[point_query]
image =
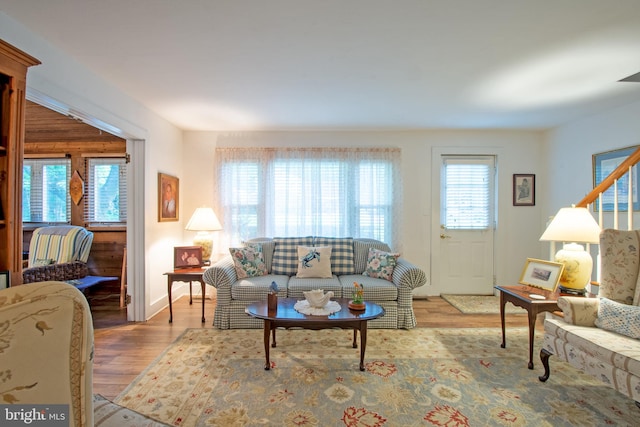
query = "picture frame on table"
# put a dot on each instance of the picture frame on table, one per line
(541, 274)
(603, 165)
(5, 279)
(187, 257)
(168, 197)
(524, 189)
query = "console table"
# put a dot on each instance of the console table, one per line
(185, 275)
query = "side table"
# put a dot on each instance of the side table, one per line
(520, 296)
(186, 275)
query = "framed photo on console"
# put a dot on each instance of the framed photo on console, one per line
(541, 274)
(187, 257)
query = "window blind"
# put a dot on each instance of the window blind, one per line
(467, 191)
(106, 191)
(45, 196)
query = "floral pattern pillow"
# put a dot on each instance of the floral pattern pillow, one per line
(248, 261)
(380, 264)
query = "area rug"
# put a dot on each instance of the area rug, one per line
(452, 377)
(480, 304)
(109, 414)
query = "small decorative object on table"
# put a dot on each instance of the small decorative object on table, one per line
(272, 297)
(357, 303)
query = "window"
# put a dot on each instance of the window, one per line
(106, 191)
(297, 192)
(468, 192)
(45, 196)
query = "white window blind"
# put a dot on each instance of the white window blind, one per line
(45, 195)
(106, 191)
(314, 191)
(467, 189)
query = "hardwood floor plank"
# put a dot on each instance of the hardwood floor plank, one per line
(123, 349)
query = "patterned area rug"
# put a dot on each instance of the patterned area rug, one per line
(480, 304)
(452, 377)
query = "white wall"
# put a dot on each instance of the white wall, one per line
(65, 82)
(519, 152)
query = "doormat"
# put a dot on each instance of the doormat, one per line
(480, 304)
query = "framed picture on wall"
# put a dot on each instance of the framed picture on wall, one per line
(524, 189)
(168, 197)
(603, 165)
(187, 256)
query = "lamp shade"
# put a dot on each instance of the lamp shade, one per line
(204, 219)
(572, 225)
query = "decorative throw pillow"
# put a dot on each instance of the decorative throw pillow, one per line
(248, 261)
(285, 255)
(314, 262)
(40, 262)
(621, 318)
(380, 264)
(341, 253)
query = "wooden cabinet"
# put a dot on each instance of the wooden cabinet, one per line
(13, 80)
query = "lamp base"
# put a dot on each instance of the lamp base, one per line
(577, 267)
(571, 291)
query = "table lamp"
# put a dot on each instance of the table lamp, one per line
(573, 226)
(204, 221)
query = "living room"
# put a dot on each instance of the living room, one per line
(515, 111)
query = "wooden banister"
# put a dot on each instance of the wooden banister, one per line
(622, 169)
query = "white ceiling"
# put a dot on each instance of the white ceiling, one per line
(353, 64)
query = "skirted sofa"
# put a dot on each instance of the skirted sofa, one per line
(299, 264)
(601, 336)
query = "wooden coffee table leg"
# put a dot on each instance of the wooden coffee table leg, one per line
(355, 337)
(363, 343)
(267, 335)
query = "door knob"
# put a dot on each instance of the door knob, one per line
(444, 236)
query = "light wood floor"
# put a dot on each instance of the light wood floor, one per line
(123, 350)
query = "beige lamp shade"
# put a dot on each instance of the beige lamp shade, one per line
(204, 220)
(573, 225)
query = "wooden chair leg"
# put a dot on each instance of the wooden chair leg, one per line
(544, 357)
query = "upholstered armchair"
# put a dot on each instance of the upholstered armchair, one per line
(601, 336)
(58, 253)
(46, 348)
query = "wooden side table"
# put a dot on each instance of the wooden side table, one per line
(520, 296)
(186, 275)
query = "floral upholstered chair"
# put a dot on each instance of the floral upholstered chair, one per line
(46, 349)
(601, 336)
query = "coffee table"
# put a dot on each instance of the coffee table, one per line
(285, 316)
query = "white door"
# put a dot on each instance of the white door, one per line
(463, 224)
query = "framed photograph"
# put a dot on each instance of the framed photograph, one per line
(187, 256)
(168, 197)
(5, 279)
(603, 165)
(542, 274)
(524, 189)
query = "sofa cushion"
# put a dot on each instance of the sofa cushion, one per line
(374, 289)
(298, 285)
(248, 261)
(361, 252)
(314, 261)
(285, 255)
(256, 288)
(621, 318)
(342, 261)
(380, 264)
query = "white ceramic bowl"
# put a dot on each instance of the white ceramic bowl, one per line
(317, 297)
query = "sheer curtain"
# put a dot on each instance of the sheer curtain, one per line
(333, 192)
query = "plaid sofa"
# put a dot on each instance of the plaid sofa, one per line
(348, 262)
(600, 336)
